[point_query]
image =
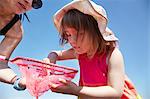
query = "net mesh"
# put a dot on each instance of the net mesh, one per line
(39, 74)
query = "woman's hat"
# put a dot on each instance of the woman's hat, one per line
(90, 8)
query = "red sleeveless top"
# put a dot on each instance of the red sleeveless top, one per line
(93, 72)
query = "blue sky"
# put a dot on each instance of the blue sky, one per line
(127, 18)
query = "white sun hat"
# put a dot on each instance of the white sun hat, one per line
(90, 8)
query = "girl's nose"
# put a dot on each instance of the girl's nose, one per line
(72, 41)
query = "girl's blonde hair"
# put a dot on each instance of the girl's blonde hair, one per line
(80, 21)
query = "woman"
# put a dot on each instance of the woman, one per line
(11, 29)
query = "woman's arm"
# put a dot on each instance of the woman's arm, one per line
(7, 46)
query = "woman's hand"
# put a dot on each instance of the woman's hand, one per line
(67, 87)
(22, 83)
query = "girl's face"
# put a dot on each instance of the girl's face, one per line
(78, 40)
(15, 6)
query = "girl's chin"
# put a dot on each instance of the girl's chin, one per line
(79, 52)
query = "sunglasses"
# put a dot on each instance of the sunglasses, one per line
(36, 4)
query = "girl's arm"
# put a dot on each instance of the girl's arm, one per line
(115, 82)
(102, 92)
(113, 90)
(60, 55)
(65, 54)
(116, 72)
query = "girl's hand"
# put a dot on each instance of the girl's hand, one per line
(67, 87)
(52, 58)
(46, 60)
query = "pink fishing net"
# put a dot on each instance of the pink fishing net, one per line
(39, 74)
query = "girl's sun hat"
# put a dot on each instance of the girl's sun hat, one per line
(90, 8)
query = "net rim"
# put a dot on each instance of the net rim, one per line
(41, 62)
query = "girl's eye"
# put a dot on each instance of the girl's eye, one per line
(66, 36)
(69, 35)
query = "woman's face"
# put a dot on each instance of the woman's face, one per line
(78, 40)
(15, 6)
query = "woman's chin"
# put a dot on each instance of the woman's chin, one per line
(20, 12)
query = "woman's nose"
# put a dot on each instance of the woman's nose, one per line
(27, 4)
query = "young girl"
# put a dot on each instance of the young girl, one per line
(83, 24)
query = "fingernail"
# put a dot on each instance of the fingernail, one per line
(60, 79)
(54, 85)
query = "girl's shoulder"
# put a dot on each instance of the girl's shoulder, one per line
(113, 53)
(115, 57)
